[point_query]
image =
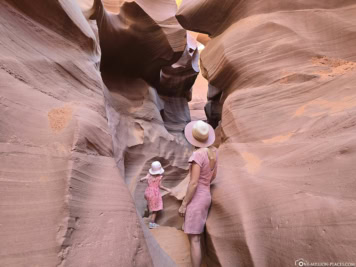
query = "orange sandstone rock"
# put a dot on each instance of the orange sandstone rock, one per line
(285, 70)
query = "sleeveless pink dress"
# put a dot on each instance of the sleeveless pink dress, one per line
(152, 193)
(197, 209)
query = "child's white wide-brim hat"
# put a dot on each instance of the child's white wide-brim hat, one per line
(199, 134)
(156, 168)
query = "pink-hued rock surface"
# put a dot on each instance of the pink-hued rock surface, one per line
(286, 71)
(64, 200)
(169, 239)
(149, 79)
(91, 92)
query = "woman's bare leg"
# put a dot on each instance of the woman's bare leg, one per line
(153, 216)
(195, 250)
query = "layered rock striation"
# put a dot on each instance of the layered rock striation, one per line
(286, 72)
(92, 92)
(81, 121)
(149, 64)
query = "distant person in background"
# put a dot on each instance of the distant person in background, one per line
(203, 167)
(152, 193)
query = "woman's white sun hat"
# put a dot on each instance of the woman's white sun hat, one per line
(156, 168)
(199, 134)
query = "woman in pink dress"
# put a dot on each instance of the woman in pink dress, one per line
(152, 193)
(203, 168)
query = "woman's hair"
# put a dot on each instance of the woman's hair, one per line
(211, 156)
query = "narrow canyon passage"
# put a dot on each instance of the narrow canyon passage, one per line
(91, 92)
(149, 81)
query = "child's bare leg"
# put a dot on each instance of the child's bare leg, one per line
(149, 213)
(153, 216)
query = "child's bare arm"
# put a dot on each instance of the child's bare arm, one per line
(144, 178)
(163, 187)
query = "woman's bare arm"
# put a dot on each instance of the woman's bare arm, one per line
(214, 174)
(192, 187)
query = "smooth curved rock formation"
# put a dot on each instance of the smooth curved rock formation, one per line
(287, 73)
(175, 243)
(178, 79)
(196, 106)
(213, 107)
(149, 69)
(86, 106)
(129, 43)
(64, 200)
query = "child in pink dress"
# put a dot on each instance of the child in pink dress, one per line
(152, 193)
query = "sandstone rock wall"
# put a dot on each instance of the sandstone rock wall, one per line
(149, 69)
(86, 106)
(286, 71)
(63, 199)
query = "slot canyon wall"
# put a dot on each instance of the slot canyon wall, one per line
(149, 65)
(286, 73)
(92, 92)
(81, 120)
